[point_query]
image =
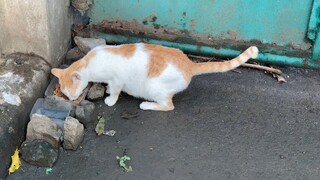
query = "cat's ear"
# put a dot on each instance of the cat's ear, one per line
(76, 78)
(57, 72)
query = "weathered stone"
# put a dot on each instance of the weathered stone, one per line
(39, 152)
(84, 111)
(86, 44)
(80, 114)
(73, 133)
(96, 91)
(42, 127)
(74, 54)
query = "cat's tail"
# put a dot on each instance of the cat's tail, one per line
(215, 67)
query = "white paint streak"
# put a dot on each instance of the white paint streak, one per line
(12, 99)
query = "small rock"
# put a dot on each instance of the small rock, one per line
(96, 91)
(80, 114)
(74, 54)
(86, 44)
(84, 111)
(72, 134)
(39, 152)
(42, 127)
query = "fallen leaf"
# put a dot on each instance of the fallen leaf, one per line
(15, 162)
(100, 126)
(281, 79)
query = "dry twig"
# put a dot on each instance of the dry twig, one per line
(256, 66)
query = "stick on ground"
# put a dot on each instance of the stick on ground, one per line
(256, 66)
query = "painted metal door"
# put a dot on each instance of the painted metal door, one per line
(286, 31)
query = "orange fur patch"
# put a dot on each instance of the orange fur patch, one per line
(161, 56)
(126, 50)
(66, 80)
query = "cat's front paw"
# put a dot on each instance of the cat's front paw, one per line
(146, 105)
(110, 101)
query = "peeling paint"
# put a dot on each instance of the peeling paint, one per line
(228, 40)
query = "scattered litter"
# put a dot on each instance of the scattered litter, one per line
(48, 171)
(109, 133)
(15, 162)
(237, 71)
(81, 5)
(122, 163)
(100, 126)
(129, 115)
(281, 78)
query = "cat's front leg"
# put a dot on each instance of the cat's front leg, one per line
(107, 89)
(114, 91)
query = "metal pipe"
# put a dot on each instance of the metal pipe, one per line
(210, 51)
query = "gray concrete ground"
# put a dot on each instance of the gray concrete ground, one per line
(225, 126)
(23, 78)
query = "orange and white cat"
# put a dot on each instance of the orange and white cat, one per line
(152, 72)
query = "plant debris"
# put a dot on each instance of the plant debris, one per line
(48, 171)
(15, 162)
(109, 133)
(100, 126)
(122, 163)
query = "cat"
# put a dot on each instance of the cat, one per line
(152, 72)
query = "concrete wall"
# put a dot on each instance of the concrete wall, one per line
(41, 27)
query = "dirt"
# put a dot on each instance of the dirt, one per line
(224, 126)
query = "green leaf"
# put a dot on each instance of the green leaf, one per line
(100, 126)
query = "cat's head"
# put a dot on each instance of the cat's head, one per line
(71, 82)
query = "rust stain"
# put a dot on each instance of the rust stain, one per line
(228, 39)
(232, 34)
(193, 24)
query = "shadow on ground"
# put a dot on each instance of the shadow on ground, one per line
(225, 126)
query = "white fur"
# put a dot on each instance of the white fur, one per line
(131, 76)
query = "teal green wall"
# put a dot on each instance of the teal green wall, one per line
(278, 27)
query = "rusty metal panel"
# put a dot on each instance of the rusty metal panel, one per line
(278, 27)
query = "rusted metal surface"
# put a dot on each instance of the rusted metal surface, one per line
(148, 28)
(222, 28)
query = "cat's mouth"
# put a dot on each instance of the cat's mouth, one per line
(72, 98)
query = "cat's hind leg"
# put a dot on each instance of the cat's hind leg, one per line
(114, 91)
(165, 104)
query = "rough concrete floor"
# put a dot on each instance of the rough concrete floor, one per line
(225, 126)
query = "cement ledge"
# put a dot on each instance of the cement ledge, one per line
(23, 79)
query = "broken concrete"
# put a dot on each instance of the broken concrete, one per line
(42, 127)
(44, 31)
(39, 153)
(73, 133)
(26, 77)
(86, 44)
